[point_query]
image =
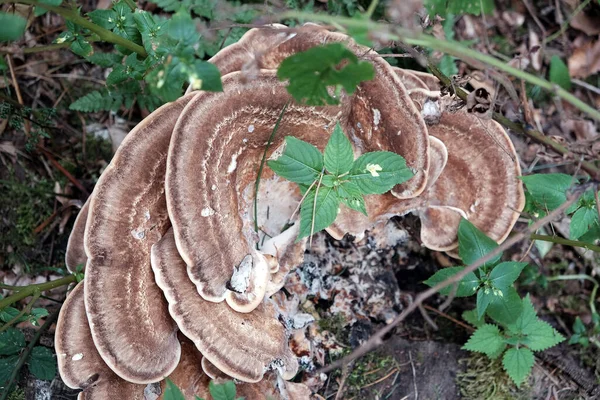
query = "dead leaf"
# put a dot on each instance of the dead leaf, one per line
(587, 24)
(585, 60)
(582, 129)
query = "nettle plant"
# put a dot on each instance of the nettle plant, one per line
(335, 177)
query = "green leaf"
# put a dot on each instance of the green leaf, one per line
(549, 190)
(36, 314)
(338, 152)
(105, 18)
(559, 73)
(42, 363)
(350, 195)
(526, 318)
(578, 326)
(323, 211)
(172, 392)
(448, 65)
(484, 298)
(105, 60)
(471, 317)
(12, 27)
(311, 72)
(505, 274)
(181, 27)
(474, 244)
(542, 336)
(39, 10)
(205, 76)
(11, 342)
(223, 391)
(466, 287)
(379, 171)
(7, 365)
(8, 313)
(518, 363)
(95, 101)
(505, 308)
(486, 339)
(81, 47)
(582, 221)
(300, 162)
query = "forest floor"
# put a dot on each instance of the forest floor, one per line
(51, 157)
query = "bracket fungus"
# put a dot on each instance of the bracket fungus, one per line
(178, 277)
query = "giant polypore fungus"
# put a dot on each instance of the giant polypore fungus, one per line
(169, 238)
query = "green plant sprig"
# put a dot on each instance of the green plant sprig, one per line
(22, 292)
(339, 178)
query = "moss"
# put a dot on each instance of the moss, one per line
(486, 379)
(17, 394)
(334, 324)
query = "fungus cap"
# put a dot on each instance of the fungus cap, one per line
(75, 254)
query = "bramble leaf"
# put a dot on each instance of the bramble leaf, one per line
(104, 18)
(338, 152)
(300, 162)
(518, 362)
(582, 221)
(7, 365)
(8, 313)
(474, 244)
(486, 339)
(379, 171)
(549, 190)
(471, 317)
(223, 391)
(172, 392)
(505, 274)
(11, 342)
(12, 27)
(323, 210)
(311, 72)
(105, 60)
(42, 363)
(466, 287)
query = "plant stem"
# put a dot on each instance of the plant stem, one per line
(30, 290)
(262, 165)
(104, 34)
(372, 8)
(25, 354)
(447, 46)
(565, 24)
(567, 242)
(25, 310)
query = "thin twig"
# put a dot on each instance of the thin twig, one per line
(25, 310)
(448, 317)
(565, 24)
(566, 242)
(414, 374)
(377, 338)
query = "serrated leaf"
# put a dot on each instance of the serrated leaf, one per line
(466, 287)
(471, 317)
(486, 339)
(506, 308)
(559, 73)
(505, 274)
(578, 326)
(300, 162)
(526, 317)
(223, 391)
(311, 72)
(582, 221)
(379, 171)
(104, 18)
(338, 154)
(518, 363)
(95, 101)
(323, 210)
(172, 392)
(542, 336)
(12, 27)
(474, 244)
(42, 363)
(11, 342)
(105, 60)
(181, 27)
(549, 190)
(81, 47)
(484, 298)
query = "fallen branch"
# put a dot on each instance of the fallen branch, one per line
(377, 339)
